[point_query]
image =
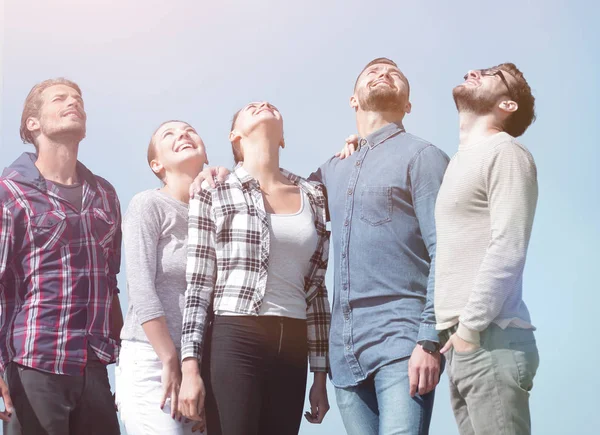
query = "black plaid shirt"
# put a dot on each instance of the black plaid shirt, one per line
(228, 261)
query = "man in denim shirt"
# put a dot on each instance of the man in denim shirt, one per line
(384, 351)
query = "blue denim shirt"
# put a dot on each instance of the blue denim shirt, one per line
(381, 203)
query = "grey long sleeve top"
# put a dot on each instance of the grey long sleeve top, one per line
(155, 242)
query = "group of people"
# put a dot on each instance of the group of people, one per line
(226, 273)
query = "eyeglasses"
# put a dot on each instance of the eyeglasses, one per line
(495, 72)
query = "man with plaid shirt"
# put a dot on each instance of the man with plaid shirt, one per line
(60, 240)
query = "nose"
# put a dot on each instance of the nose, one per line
(472, 74)
(263, 104)
(183, 134)
(385, 73)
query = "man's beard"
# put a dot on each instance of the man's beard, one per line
(467, 100)
(59, 133)
(381, 99)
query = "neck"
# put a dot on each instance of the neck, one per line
(474, 128)
(367, 122)
(262, 163)
(178, 184)
(57, 161)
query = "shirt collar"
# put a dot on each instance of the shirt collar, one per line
(383, 134)
(24, 170)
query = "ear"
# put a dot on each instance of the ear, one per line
(508, 106)
(234, 136)
(156, 166)
(354, 102)
(407, 107)
(32, 124)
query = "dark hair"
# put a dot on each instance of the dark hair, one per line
(384, 60)
(237, 153)
(33, 104)
(152, 145)
(519, 121)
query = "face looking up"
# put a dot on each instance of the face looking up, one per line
(484, 90)
(176, 147)
(381, 87)
(61, 114)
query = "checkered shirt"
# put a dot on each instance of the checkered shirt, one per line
(228, 261)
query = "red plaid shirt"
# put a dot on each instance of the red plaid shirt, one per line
(58, 268)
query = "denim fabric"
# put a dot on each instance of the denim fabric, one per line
(382, 404)
(489, 387)
(381, 203)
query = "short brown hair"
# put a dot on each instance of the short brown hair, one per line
(519, 121)
(152, 145)
(33, 104)
(384, 60)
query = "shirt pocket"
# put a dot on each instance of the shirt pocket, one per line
(48, 230)
(376, 205)
(103, 227)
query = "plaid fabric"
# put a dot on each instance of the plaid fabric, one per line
(58, 270)
(228, 261)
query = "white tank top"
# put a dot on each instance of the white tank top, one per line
(293, 242)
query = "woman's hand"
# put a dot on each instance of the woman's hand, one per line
(171, 383)
(192, 393)
(349, 148)
(319, 404)
(209, 174)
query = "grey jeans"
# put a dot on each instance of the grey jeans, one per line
(46, 403)
(489, 387)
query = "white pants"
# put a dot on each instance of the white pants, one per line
(139, 391)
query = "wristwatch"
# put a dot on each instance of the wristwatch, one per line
(430, 347)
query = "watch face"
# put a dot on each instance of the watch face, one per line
(429, 346)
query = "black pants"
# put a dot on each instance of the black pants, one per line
(255, 374)
(46, 403)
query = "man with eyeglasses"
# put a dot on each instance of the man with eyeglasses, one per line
(484, 215)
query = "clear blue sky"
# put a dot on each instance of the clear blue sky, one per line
(143, 62)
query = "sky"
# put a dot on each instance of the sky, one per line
(143, 62)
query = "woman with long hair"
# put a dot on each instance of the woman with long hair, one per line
(155, 228)
(258, 249)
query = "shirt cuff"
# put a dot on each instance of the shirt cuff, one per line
(319, 363)
(191, 350)
(468, 334)
(428, 332)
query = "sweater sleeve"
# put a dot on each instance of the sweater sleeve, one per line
(141, 233)
(511, 183)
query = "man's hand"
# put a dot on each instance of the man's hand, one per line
(319, 404)
(208, 174)
(8, 406)
(423, 371)
(350, 146)
(171, 383)
(459, 345)
(192, 392)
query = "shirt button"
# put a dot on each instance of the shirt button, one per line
(343, 255)
(349, 191)
(348, 347)
(346, 223)
(347, 316)
(357, 163)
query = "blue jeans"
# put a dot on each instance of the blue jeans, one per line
(382, 404)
